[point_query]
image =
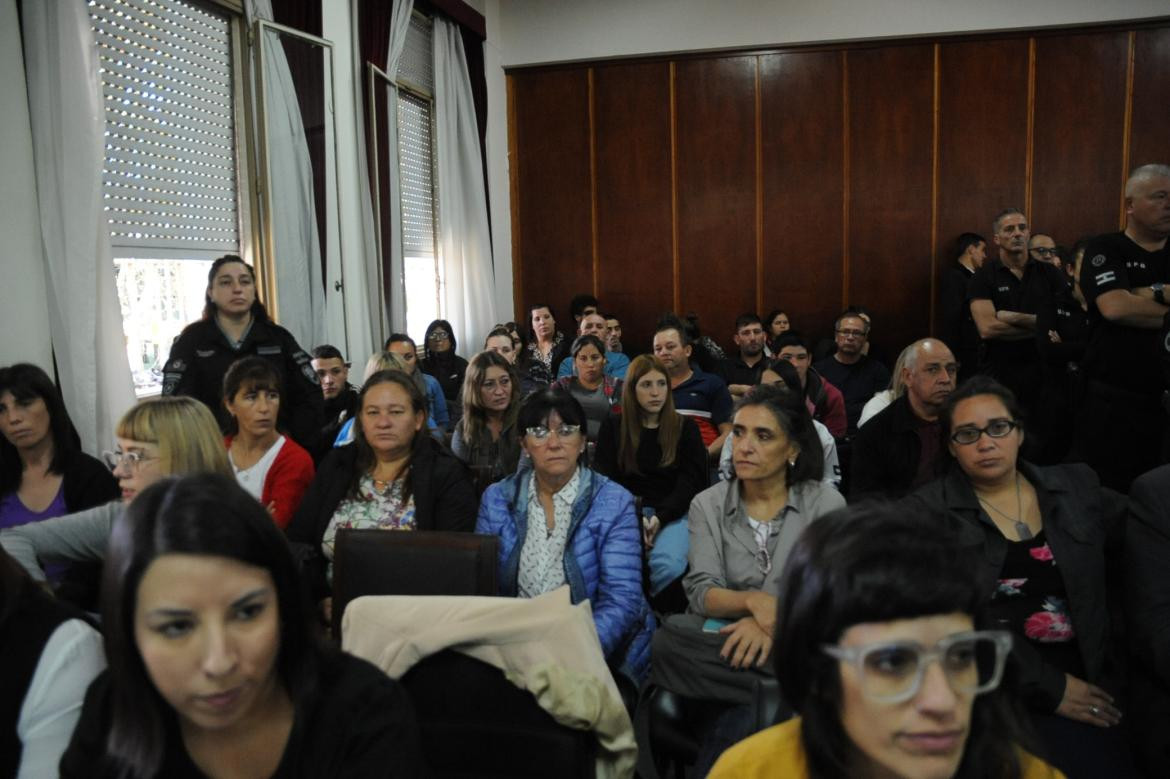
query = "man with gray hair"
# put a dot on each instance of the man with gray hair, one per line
(1122, 420)
(900, 448)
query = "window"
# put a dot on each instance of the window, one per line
(171, 174)
(416, 165)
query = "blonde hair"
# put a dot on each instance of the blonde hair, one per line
(389, 361)
(185, 432)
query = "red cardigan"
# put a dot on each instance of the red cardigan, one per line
(286, 481)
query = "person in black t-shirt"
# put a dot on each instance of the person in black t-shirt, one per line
(1005, 296)
(1122, 421)
(743, 372)
(956, 326)
(850, 369)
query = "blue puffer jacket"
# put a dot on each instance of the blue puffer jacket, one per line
(603, 560)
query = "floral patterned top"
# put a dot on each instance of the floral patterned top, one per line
(540, 367)
(372, 508)
(1030, 600)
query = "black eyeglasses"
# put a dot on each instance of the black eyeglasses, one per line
(996, 428)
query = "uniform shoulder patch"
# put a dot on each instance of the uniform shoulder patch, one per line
(1097, 261)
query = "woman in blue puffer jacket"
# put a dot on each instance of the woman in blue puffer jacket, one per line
(561, 523)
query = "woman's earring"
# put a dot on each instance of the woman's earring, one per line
(792, 462)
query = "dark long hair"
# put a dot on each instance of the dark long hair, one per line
(203, 514)
(28, 382)
(793, 418)
(259, 313)
(879, 562)
(254, 372)
(432, 327)
(366, 458)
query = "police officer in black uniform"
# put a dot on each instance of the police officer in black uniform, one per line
(1005, 295)
(1122, 422)
(234, 325)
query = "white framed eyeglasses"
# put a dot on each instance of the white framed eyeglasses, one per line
(541, 433)
(892, 671)
(131, 459)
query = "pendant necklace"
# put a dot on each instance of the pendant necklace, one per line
(1022, 529)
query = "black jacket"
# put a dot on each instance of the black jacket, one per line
(201, 355)
(886, 450)
(87, 482)
(444, 499)
(1084, 524)
(1147, 608)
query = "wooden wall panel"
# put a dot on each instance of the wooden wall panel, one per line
(1078, 134)
(1149, 139)
(801, 123)
(891, 104)
(634, 228)
(553, 189)
(983, 138)
(716, 190)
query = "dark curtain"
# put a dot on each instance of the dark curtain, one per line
(374, 31)
(306, 64)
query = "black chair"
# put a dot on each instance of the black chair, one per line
(475, 723)
(387, 562)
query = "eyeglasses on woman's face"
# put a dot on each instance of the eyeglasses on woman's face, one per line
(540, 434)
(996, 428)
(131, 459)
(892, 671)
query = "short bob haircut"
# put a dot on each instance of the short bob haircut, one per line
(973, 387)
(792, 415)
(879, 562)
(27, 382)
(205, 514)
(366, 458)
(258, 311)
(540, 404)
(251, 373)
(183, 429)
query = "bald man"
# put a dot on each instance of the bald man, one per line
(1121, 423)
(900, 448)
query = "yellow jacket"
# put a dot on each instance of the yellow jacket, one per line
(777, 753)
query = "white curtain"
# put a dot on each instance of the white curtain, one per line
(68, 123)
(399, 24)
(293, 221)
(465, 254)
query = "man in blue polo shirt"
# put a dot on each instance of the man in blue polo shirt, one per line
(616, 363)
(701, 396)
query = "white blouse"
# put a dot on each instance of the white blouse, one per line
(542, 558)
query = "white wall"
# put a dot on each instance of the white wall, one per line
(526, 32)
(534, 31)
(23, 294)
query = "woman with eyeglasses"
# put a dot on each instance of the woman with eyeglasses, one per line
(273, 468)
(43, 472)
(883, 649)
(1043, 534)
(158, 437)
(560, 523)
(439, 360)
(597, 393)
(486, 438)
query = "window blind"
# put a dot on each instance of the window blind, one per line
(170, 175)
(415, 140)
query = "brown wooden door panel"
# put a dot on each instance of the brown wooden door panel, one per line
(634, 226)
(983, 139)
(716, 190)
(553, 245)
(891, 103)
(1078, 134)
(1150, 123)
(802, 162)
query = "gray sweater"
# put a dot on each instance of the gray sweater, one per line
(71, 538)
